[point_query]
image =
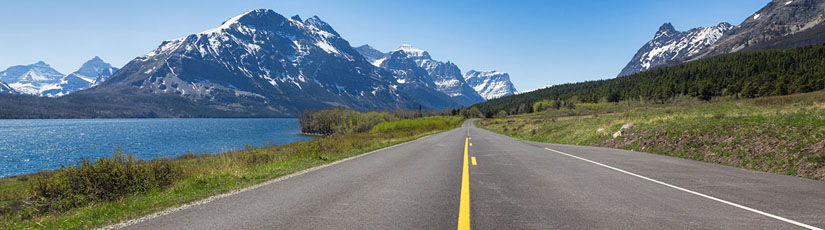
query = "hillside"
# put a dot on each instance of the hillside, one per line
(740, 75)
(781, 134)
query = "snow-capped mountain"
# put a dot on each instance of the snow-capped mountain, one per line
(40, 79)
(31, 79)
(670, 45)
(411, 65)
(91, 73)
(490, 84)
(262, 61)
(780, 24)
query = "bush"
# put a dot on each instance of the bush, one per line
(105, 179)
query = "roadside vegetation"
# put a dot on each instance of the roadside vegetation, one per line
(108, 190)
(779, 134)
(342, 121)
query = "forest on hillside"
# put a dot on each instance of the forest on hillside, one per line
(747, 74)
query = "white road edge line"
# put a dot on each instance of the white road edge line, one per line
(694, 193)
(217, 197)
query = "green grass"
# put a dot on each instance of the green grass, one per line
(119, 188)
(425, 123)
(784, 135)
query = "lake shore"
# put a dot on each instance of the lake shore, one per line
(43, 200)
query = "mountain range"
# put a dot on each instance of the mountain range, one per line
(445, 76)
(263, 63)
(256, 64)
(40, 79)
(780, 24)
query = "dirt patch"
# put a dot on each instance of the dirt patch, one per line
(745, 146)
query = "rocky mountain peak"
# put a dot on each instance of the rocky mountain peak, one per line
(666, 30)
(320, 24)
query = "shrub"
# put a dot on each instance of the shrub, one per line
(105, 179)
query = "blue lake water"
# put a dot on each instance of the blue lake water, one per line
(28, 146)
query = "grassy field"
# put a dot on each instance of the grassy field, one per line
(111, 190)
(784, 135)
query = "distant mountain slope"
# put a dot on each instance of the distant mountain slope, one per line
(371, 54)
(31, 79)
(91, 73)
(778, 19)
(812, 36)
(446, 76)
(260, 60)
(6, 89)
(670, 45)
(490, 84)
(413, 79)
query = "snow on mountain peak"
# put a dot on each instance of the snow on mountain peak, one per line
(316, 22)
(30, 79)
(412, 51)
(670, 45)
(228, 23)
(490, 84)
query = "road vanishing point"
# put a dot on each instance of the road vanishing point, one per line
(470, 178)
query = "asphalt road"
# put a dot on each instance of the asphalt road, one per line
(433, 183)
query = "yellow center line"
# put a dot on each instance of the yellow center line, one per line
(474, 160)
(464, 205)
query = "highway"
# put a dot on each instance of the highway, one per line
(470, 178)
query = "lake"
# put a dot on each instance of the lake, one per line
(28, 146)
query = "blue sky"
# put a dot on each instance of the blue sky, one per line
(537, 42)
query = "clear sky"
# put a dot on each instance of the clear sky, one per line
(537, 42)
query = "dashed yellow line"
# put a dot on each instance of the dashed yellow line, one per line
(464, 204)
(474, 161)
